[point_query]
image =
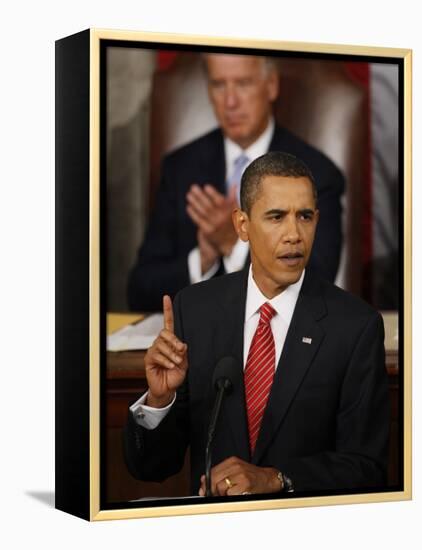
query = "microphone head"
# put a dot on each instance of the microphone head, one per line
(225, 373)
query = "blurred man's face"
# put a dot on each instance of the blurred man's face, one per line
(241, 90)
(280, 229)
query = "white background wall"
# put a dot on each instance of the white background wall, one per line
(27, 273)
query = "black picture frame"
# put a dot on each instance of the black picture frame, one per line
(81, 273)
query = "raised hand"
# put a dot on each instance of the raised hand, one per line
(166, 362)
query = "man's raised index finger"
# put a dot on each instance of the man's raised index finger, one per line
(168, 313)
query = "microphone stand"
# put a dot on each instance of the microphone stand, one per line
(224, 385)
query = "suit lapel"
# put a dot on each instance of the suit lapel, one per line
(276, 140)
(213, 164)
(229, 341)
(294, 362)
(280, 141)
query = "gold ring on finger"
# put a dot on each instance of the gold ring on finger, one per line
(228, 482)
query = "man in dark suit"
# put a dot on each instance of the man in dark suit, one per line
(190, 236)
(309, 410)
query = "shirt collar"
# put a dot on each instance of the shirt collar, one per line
(284, 303)
(232, 150)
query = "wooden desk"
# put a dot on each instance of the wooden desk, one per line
(125, 382)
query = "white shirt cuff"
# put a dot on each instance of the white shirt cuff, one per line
(194, 267)
(149, 417)
(236, 260)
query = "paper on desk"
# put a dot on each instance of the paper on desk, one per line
(138, 336)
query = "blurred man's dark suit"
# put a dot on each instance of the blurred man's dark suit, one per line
(161, 266)
(327, 420)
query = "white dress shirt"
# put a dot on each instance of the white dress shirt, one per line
(284, 305)
(236, 259)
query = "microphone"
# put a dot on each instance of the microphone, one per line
(225, 372)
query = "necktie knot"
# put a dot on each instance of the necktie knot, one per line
(241, 161)
(267, 313)
(239, 165)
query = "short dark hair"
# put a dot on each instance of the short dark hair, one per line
(275, 163)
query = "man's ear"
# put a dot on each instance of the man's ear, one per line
(241, 223)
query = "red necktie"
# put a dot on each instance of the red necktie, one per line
(259, 372)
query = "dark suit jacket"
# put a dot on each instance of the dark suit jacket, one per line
(161, 266)
(327, 420)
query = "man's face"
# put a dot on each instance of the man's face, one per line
(280, 229)
(241, 89)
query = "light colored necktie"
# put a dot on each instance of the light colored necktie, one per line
(259, 372)
(239, 166)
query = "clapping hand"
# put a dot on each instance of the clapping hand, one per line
(212, 213)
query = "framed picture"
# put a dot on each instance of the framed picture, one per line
(147, 126)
